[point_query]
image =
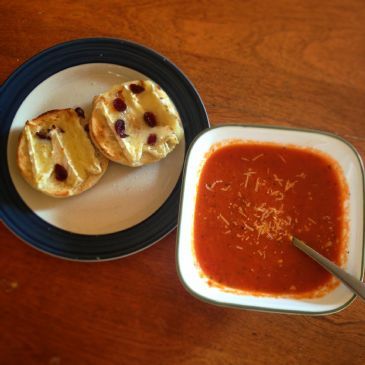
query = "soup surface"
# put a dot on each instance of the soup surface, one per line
(252, 198)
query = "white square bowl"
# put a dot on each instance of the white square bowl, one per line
(187, 266)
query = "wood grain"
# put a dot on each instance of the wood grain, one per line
(292, 63)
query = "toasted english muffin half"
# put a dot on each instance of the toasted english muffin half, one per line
(135, 123)
(56, 156)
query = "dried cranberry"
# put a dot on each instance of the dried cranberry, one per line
(60, 172)
(119, 126)
(150, 119)
(152, 138)
(119, 105)
(61, 130)
(42, 135)
(136, 89)
(80, 112)
(86, 127)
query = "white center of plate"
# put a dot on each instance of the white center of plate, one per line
(124, 196)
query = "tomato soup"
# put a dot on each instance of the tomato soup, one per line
(252, 198)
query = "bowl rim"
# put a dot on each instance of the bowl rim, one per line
(251, 307)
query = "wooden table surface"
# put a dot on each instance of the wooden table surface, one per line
(290, 63)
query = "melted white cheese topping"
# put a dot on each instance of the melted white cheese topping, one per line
(68, 146)
(153, 99)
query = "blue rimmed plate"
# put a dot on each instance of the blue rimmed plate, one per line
(129, 209)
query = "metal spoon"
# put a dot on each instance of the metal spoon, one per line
(357, 286)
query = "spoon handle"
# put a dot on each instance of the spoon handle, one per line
(354, 284)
